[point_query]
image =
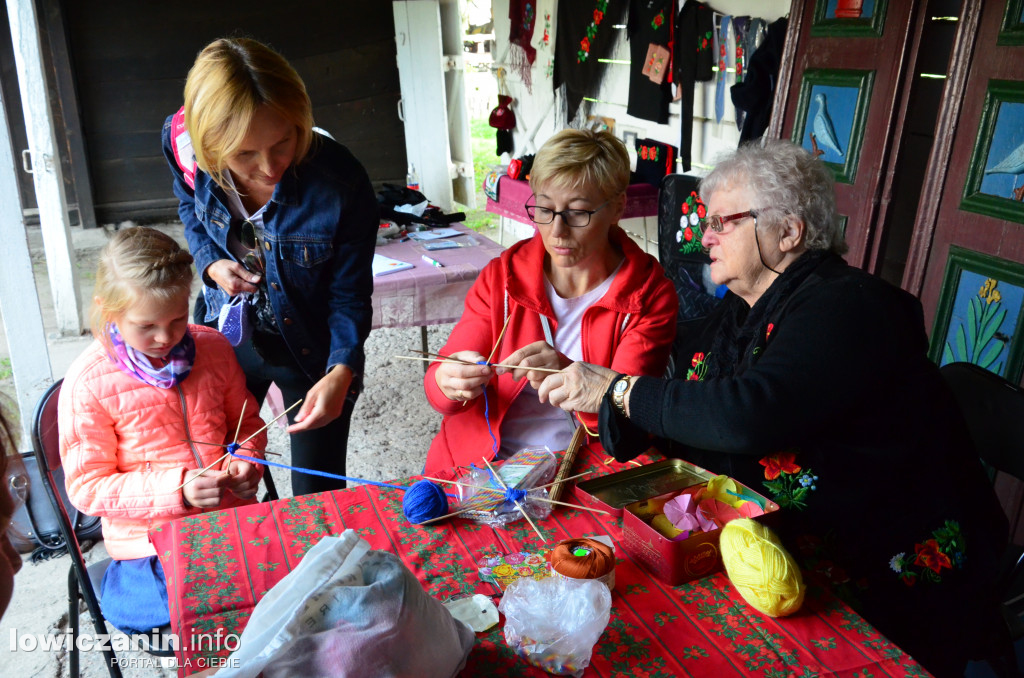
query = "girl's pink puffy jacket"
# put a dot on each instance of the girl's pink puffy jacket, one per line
(123, 442)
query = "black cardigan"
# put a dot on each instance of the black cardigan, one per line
(843, 381)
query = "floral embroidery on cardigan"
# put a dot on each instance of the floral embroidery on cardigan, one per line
(945, 550)
(698, 367)
(657, 21)
(691, 224)
(600, 7)
(788, 482)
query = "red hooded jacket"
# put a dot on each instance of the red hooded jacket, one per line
(630, 329)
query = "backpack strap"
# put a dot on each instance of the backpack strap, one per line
(181, 143)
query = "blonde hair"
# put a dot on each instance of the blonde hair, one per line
(230, 80)
(137, 262)
(576, 157)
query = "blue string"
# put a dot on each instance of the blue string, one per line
(511, 494)
(487, 418)
(314, 472)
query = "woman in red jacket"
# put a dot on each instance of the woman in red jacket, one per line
(578, 288)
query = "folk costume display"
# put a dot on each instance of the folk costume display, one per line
(650, 32)
(585, 36)
(691, 63)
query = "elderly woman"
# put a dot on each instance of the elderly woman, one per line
(579, 289)
(282, 222)
(811, 384)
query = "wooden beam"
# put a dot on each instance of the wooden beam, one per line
(19, 301)
(44, 164)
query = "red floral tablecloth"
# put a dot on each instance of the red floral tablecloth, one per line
(220, 564)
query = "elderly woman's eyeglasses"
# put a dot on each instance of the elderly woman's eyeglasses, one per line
(250, 239)
(572, 218)
(718, 224)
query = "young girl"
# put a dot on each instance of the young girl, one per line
(147, 406)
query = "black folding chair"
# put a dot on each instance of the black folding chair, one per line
(84, 581)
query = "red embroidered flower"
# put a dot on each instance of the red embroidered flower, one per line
(585, 44)
(698, 358)
(687, 234)
(929, 555)
(598, 16)
(659, 20)
(704, 43)
(779, 463)
(701, 212)
(721, 51)
(771, 326)
(693, 377)
(686, 208)
(643, 152)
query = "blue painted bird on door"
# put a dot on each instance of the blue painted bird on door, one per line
(1004, 166)
(829, 123)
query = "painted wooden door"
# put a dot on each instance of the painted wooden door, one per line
(967, 257)
(843, 99)
(437, 142)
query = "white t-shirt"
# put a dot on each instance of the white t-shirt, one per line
(529, 422)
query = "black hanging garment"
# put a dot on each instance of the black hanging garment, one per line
(692, 60)
(585, 34)
(653, 161)
(754, 96)
(650, 30)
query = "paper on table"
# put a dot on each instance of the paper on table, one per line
(434, 234)
(383, 265)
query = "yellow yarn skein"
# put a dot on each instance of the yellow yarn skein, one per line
(760, 568)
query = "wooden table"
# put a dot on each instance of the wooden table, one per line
(220, 564)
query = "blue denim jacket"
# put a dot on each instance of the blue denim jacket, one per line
(321, 228)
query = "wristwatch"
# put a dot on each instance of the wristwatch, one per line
(619, 389)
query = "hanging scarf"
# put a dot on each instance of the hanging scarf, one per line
(138, 365)
(744, 330)
(586, 35)
(723, 64)
(522, 15)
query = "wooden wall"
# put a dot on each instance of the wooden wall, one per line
(130, 60)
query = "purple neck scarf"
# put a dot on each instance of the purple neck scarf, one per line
(138, 365)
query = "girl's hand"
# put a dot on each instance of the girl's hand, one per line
(323, 402)
(232, 277)
(537, 354)
(207, 490)
(463, 382)
(244, 478)
(580, 387)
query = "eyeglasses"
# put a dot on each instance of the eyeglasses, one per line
(572, 218)
(253, 260)
(717, 223)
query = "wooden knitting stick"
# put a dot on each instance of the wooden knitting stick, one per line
(567, 461)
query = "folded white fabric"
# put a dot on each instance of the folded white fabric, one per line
(349, 611)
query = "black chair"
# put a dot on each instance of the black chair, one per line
(84, 581)
(994, 411)
(686, 270)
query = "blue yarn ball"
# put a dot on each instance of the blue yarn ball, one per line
(424, 501)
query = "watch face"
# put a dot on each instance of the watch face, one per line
(621, 385)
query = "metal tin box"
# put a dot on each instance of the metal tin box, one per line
(677, 562)
(615, 490)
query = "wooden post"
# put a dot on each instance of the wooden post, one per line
(19, 302)
(45, 166)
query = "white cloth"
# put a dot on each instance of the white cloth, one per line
(349, 611)
(529, 422)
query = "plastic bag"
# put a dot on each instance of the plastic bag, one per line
(347, 610)
(529, 467)
(554, 623)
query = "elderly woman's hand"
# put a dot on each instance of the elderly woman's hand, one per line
(463, 382)
(537, 354)
(579, 387)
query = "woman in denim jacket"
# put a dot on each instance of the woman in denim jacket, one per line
(282, 223)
